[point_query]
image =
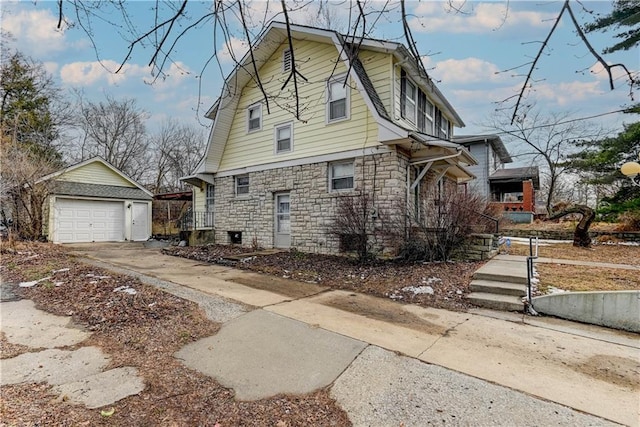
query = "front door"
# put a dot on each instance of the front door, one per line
(140, 221)
(282, 232)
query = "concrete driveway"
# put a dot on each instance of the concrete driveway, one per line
(501, 368)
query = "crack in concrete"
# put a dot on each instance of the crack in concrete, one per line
(444, 334)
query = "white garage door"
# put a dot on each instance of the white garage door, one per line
(88, 221)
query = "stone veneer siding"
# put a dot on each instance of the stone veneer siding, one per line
(313, 207)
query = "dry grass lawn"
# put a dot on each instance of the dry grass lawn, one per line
(610, 253)
(577, 278)
(586, 278)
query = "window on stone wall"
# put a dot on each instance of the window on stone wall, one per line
(242, 185)
(341, 176)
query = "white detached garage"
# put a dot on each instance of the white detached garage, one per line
(92, 201)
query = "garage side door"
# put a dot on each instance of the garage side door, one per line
(88, 221)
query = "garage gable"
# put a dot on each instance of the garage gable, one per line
(94, 172)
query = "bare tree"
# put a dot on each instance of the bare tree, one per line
(115, 130)
(546, 139)
(171, 20)
(22, 196)
(176, 149)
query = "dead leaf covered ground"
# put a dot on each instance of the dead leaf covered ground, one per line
(437, 284)
(142, 329)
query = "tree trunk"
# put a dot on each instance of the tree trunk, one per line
(581, 234)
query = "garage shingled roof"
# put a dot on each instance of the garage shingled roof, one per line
(68, 188)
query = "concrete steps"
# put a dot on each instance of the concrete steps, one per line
(496, 301)
(499, 285)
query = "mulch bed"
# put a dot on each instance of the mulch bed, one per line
(437, 284)
(143, 330)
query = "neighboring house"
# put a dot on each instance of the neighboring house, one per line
(92, 201)
(371, 122)
(512, 189)
(491, 154)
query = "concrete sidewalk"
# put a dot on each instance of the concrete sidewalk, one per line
(593, 370)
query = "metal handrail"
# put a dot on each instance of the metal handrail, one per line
(192, 220)
(529, 306)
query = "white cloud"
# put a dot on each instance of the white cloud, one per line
(88, 73)
(464, 71)
(433, 16)
(566, 93)
(34, 31)
(233, 51)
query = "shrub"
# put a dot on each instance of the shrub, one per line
(444, 226)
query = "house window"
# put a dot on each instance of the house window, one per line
(341, 176)
(254, 118)
(410, 101)
(209, 205)
(284, 138)
(286, 61)
(242, 185)
(337, 100)
(444, 127)
(425, 114)
(408, 98)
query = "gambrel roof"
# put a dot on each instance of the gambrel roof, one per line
(224, 109)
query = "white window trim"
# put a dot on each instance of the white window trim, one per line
(275, 138)
(413, 120)
(249, 108)
(285, 62)
(428, 116)
(337, 79)
(209, 198)
(235, 185)
(444, 130)
(330, 174)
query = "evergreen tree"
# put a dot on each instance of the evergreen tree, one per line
(27, 112)
(625, 13)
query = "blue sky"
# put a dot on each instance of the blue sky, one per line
(464, 51)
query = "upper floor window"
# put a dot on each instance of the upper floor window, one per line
(425, 114)
(408, 98)
(284, 138)
(337, 99)
(242, 185)
(341, 176)
(254, 118)
(444, 127)
(286, 61)
(410, 101)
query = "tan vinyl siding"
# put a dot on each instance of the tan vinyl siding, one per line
(378, 67)
(312, 135)
(199, 198)
(95, 173)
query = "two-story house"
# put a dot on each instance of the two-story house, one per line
(512, 190)
(370, 121)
